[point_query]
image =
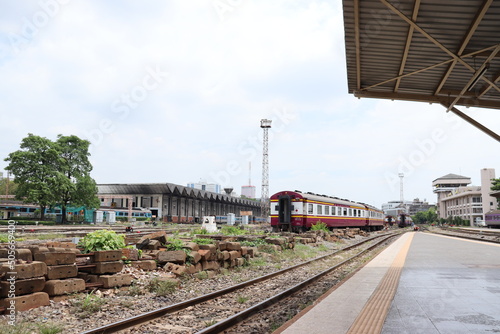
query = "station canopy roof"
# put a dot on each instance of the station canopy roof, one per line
(445, 52)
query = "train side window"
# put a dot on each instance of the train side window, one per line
(319, 210)
(309, 208)
(327, 210)
(350, 212)
(276, 207)
(345, 212)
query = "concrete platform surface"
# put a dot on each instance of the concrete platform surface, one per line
(447, 285)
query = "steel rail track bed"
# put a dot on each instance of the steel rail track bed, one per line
(149, 316)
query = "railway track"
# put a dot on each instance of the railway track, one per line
(484, 236)
(77, 231)
(479, 232)
(220, 310)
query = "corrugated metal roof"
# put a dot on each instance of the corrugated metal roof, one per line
(168, 188)
(428, 51)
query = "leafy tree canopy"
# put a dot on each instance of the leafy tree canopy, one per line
(422, 217)
(7, 187)
(496, 186)
(52, 173)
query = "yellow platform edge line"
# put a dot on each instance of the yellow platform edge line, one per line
(372, 317)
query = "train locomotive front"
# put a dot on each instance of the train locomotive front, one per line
(297, 211)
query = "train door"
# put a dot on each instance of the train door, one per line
(285, 208)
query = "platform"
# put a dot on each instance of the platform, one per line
(422, 283)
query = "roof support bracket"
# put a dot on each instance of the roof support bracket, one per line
(472, 121)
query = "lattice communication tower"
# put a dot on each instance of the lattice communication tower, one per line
(265, 124)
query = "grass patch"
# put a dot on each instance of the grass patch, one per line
(242, 299)
(88, 304)
(232, 230)
(4, 237)
(198, 231)
(210, 323)
(202, 275)
(258, 262)
(48, 236)
(203, 241)
(302, 251)
(135, 290)
(50, 328)
(19, 328)
(322, 248)
(162, 287)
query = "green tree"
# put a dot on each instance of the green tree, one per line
(50, 173)
(422, 217)
(496, 186)
(419, 218)
(431, 215)
(7, 187)
(74, 184)
(34, 171)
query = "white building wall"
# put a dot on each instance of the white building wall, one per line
(248, 191)
(489, 202)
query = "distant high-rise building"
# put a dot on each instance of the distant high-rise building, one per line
(203, 185)
(248, 191)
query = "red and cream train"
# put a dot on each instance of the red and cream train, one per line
(297, 211)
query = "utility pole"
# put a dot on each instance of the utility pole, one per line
(7, 184)
(265, 124)
(401, 195)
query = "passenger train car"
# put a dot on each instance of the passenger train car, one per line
(297, 211)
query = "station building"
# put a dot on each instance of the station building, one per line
(174, 203)
(458, 199)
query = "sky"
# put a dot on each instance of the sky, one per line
(174, 91)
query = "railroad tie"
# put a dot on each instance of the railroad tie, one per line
(371, 319)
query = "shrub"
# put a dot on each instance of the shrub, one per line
(174, 244)
(319, 226)
(102, 240)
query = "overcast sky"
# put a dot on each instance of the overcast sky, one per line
(174, 91)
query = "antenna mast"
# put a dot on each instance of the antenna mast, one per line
(265, 124)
